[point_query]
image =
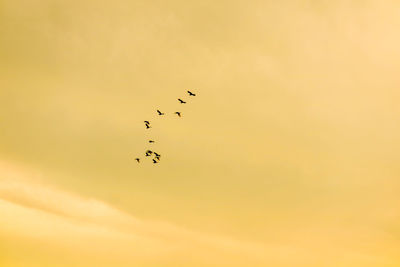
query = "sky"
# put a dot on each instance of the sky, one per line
(287, 156)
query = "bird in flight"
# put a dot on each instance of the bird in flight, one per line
(156, 158)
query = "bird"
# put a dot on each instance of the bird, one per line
(182, 102)
(157, 155)
(138, 160)
(154, 161)
(151, 141)
(178, 113)
(160, 113)
(148, 126)
(148, 153)
(146, 122)
(191, 94)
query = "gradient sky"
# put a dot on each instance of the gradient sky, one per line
(288, 156)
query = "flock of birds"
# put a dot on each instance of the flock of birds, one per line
(150, 153)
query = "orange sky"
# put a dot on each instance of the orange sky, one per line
(287, 156)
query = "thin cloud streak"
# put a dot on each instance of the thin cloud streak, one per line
(42, 212)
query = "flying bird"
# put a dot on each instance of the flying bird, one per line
(157, 156)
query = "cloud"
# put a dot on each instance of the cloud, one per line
(35, 211)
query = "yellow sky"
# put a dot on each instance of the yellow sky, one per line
(287, 156)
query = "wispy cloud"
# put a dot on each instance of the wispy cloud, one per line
(41, 212)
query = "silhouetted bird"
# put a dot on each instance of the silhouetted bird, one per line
(160, 113)
(138, 160)
(148, 153)
(191, 94)
(151, 141)
(146, 122)
(148, 126)
(154, 161)
(157, 155)
(178, 113)
(182, 102)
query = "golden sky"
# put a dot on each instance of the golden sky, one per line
(288, 155)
